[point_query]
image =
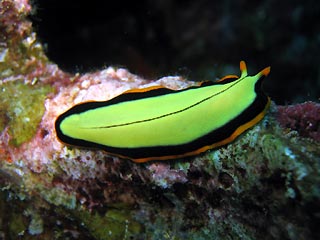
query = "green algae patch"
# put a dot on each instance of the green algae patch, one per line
(59, 197)
(115, 224)
(21, 109)
(17, 225)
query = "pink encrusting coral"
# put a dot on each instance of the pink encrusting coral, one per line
(304, 118)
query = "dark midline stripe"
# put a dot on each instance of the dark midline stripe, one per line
(131, 96)
(168, 114)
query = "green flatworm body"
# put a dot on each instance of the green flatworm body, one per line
(158, 123)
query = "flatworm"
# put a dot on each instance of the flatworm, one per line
(157, 123)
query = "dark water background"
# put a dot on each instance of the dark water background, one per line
(200, 39)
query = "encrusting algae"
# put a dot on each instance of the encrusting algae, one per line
(21, 109)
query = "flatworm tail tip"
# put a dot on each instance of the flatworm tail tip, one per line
(243, 69)
(265, 72)
(243, 66)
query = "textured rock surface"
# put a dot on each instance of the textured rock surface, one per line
(265, 185)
